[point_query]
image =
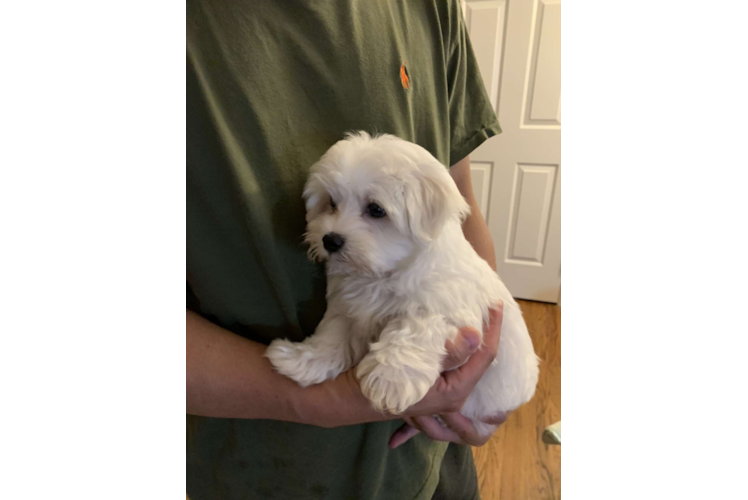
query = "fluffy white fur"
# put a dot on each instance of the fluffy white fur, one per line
(403, 284)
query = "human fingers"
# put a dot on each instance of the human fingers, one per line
(403, 434)
(431, 427)
(464, 428)
(473, 369)
(458, 352)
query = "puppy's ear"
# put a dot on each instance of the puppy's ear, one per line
(316, 196)
(432, 199)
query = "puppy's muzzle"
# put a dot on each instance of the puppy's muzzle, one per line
(333, 242)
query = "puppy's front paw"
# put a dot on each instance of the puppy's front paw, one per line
(389, 388)
(303, 363)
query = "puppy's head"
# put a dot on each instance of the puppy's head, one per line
(372, 202)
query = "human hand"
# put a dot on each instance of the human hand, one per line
(452, 389)
(457, 428)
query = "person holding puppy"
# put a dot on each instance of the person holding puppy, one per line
(270, 87)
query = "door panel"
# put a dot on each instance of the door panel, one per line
(517, 175)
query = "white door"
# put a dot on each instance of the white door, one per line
(517, 175)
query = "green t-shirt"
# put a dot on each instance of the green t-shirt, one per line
(271, 85)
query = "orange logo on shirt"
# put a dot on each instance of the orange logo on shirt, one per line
(404, 78)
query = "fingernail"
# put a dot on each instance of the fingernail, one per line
(473, 342)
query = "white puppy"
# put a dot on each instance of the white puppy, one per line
(402, 279)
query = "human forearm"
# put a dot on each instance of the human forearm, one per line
(228, 376)
(476, 232)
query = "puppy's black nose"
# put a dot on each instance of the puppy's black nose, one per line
(332, 242)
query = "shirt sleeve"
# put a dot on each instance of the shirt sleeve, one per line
(472, 119)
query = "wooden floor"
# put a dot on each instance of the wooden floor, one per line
(515, 463)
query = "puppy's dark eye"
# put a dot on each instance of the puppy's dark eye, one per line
(333, 205)
(375, 211)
